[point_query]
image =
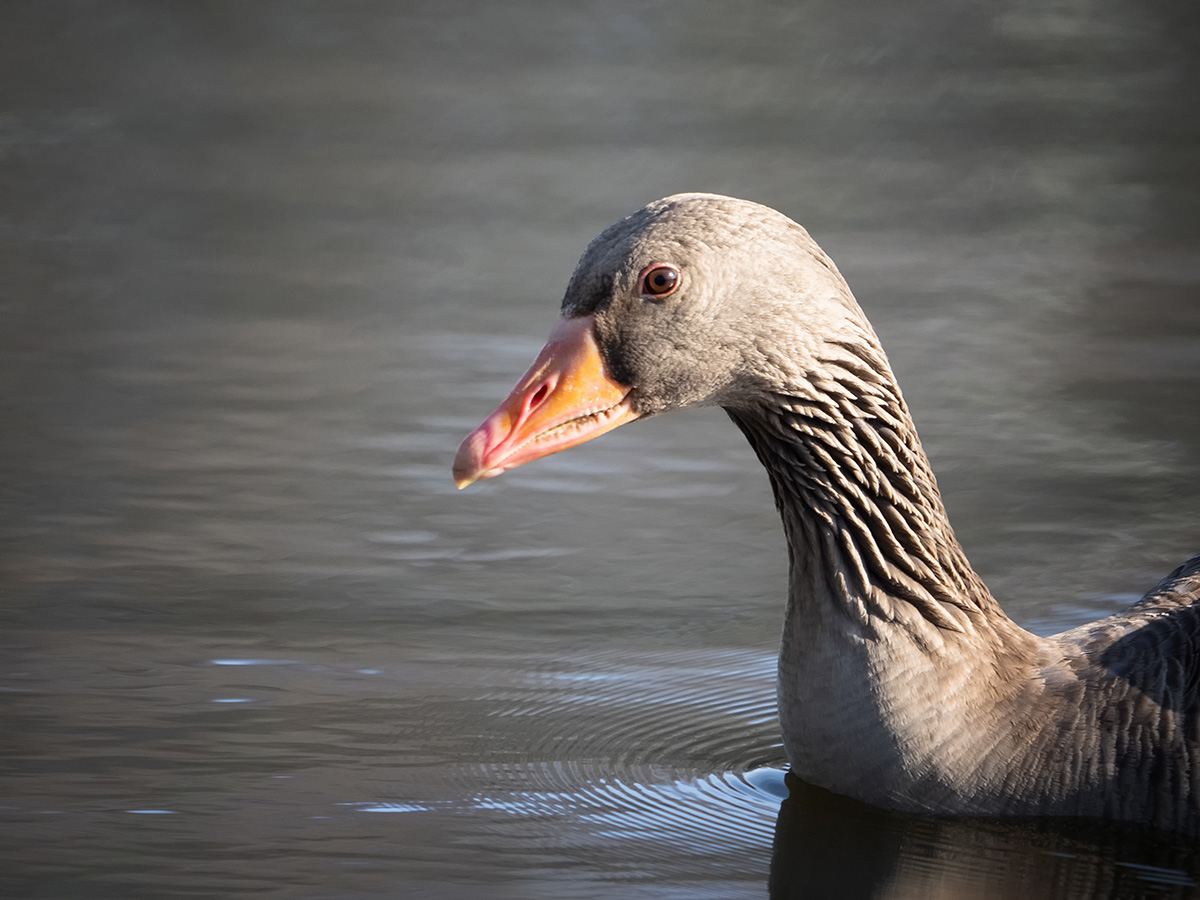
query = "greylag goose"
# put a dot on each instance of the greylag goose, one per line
(902, 683)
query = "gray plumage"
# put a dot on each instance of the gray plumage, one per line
(901, 681)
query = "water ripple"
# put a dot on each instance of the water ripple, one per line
(677, 749)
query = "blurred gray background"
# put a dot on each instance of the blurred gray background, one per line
(262, 265)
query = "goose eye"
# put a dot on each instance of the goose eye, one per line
(658, 281)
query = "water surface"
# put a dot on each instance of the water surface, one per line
(263, 265)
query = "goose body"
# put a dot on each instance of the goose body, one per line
(902, 683)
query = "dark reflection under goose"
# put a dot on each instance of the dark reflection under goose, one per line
(829, 846)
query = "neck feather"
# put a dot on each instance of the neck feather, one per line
(864, 520)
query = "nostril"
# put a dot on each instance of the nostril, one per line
(538, 396)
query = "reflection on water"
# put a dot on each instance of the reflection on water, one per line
(827, 846)
(263, 265)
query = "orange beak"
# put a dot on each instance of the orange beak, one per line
(564, 399)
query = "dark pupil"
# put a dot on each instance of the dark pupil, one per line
(662, 281)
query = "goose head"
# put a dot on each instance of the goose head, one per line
(694, 300)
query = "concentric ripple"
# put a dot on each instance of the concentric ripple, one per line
(675, 750)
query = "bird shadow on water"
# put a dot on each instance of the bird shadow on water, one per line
(828, 846)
